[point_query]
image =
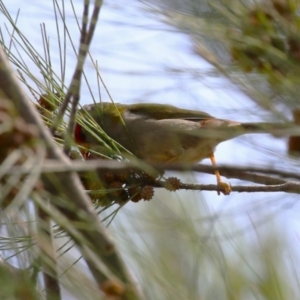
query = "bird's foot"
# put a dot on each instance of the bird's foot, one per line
(224, 188)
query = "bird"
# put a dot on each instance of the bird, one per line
(160, 133)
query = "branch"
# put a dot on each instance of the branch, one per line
(73, 92)
(287, 187)
(242, 173)
(51, 165)
(272, 184)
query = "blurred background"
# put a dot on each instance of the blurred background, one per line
(183, 244)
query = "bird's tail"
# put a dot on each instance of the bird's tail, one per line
(225, 129)
(277, 129)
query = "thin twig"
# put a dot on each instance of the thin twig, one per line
(287, 187)
(271, 184)
(243, 173)
(74, 89)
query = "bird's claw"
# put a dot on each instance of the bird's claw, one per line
(224, 188)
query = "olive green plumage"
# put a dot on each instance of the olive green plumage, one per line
(160, 133)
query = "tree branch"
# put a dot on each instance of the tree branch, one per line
(229, 171)
(272, 184)
(287, 187)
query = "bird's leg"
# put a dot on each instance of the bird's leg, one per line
(222, 186)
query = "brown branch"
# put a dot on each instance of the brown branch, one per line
(287, 187)
(68, 188)
(272, 184)
(235, 171)
(242, 173)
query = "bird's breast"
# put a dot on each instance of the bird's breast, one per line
(169, 140)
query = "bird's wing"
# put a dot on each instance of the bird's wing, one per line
(163, 111)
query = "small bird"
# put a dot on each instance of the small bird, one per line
(159, 133)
